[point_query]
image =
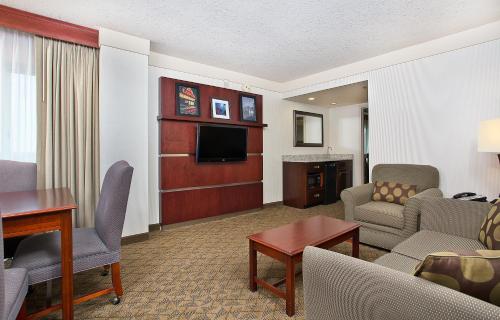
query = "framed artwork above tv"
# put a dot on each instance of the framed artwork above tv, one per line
(248, 108)
(220, 109)
(187, 100)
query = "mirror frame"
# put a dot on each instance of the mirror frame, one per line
(302, 144)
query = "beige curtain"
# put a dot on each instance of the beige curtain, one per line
(68, 122)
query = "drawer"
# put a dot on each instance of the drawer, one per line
(315, 167)
(315, 197)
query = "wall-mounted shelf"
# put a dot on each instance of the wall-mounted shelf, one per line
(198, 120)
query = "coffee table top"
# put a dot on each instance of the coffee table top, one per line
(292, 238)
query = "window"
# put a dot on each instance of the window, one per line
(17, 96)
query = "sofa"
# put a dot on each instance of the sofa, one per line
(385, 224)
(337, 286)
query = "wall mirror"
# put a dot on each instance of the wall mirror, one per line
(308, 129)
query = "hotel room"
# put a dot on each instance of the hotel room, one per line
(250, 159)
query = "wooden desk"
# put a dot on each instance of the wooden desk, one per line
(287, 243)
(29, 212)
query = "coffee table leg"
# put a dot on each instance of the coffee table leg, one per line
(355, 244)
(252, 266)
(290, 287)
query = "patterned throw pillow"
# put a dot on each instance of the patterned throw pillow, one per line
(475, 273)
(393, 192)
(489, 234)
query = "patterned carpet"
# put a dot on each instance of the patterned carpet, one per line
(198, 271)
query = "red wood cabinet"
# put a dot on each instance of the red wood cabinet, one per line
(189, 190)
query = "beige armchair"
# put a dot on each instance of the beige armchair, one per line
(385, 224)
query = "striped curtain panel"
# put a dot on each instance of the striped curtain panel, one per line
(68, 122)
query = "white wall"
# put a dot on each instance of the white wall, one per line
(345, 135)
(427, 111)
(277, 113)
(123, 126)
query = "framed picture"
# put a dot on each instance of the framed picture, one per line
(248, 110)
(220, 109)
(187, 100)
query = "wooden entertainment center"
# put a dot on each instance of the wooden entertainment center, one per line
(191, 190)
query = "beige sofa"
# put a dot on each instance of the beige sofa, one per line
(386, 224)
(337, 286)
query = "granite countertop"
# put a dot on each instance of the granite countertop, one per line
(316, 157)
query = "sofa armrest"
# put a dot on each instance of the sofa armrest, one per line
(457, 217)
(412, 210)
(431, 192)
(341, 287)
(355, 196)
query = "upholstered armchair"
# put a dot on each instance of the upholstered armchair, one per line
(385, 224)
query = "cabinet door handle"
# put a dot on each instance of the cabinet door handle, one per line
(316, 195)
(316, 167)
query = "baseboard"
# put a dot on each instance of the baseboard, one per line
(272, 204)
(154, 227)
(135, 238)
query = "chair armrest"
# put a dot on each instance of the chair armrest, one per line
(337, 286)
(355, 196)
(457, 217)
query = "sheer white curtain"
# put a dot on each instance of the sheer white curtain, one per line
(17, 96)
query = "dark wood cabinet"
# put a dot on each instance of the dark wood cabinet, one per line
(306, 184)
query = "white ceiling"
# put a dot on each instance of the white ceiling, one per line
(355, 93)
(275, 40)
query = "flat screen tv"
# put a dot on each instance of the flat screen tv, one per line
(217, 143)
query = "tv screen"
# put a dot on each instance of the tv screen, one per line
(216, 143)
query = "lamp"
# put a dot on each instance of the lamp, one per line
(489, 136)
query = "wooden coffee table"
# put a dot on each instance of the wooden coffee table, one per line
(286, 244)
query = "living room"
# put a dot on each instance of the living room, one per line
(241, 130)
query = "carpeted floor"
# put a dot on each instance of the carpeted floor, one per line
(198, 271)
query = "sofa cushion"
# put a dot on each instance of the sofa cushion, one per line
(398, 262)
(424, 242)
(382, 213)
(393, 192)
(476, 273)
(489, 234)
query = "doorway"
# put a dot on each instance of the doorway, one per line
(364, 145)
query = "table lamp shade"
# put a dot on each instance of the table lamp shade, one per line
(489, 136)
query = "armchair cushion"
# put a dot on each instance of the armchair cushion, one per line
(425, 242)
(393, 192)
(16, 288)
(489, 233)
(381, 213)
(475, 273)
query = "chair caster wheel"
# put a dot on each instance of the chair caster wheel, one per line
(115, 300)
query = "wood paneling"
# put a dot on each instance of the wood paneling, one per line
(200, 203)
(183, 172)
(48, 27)
(167, 100)
(180, 137)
